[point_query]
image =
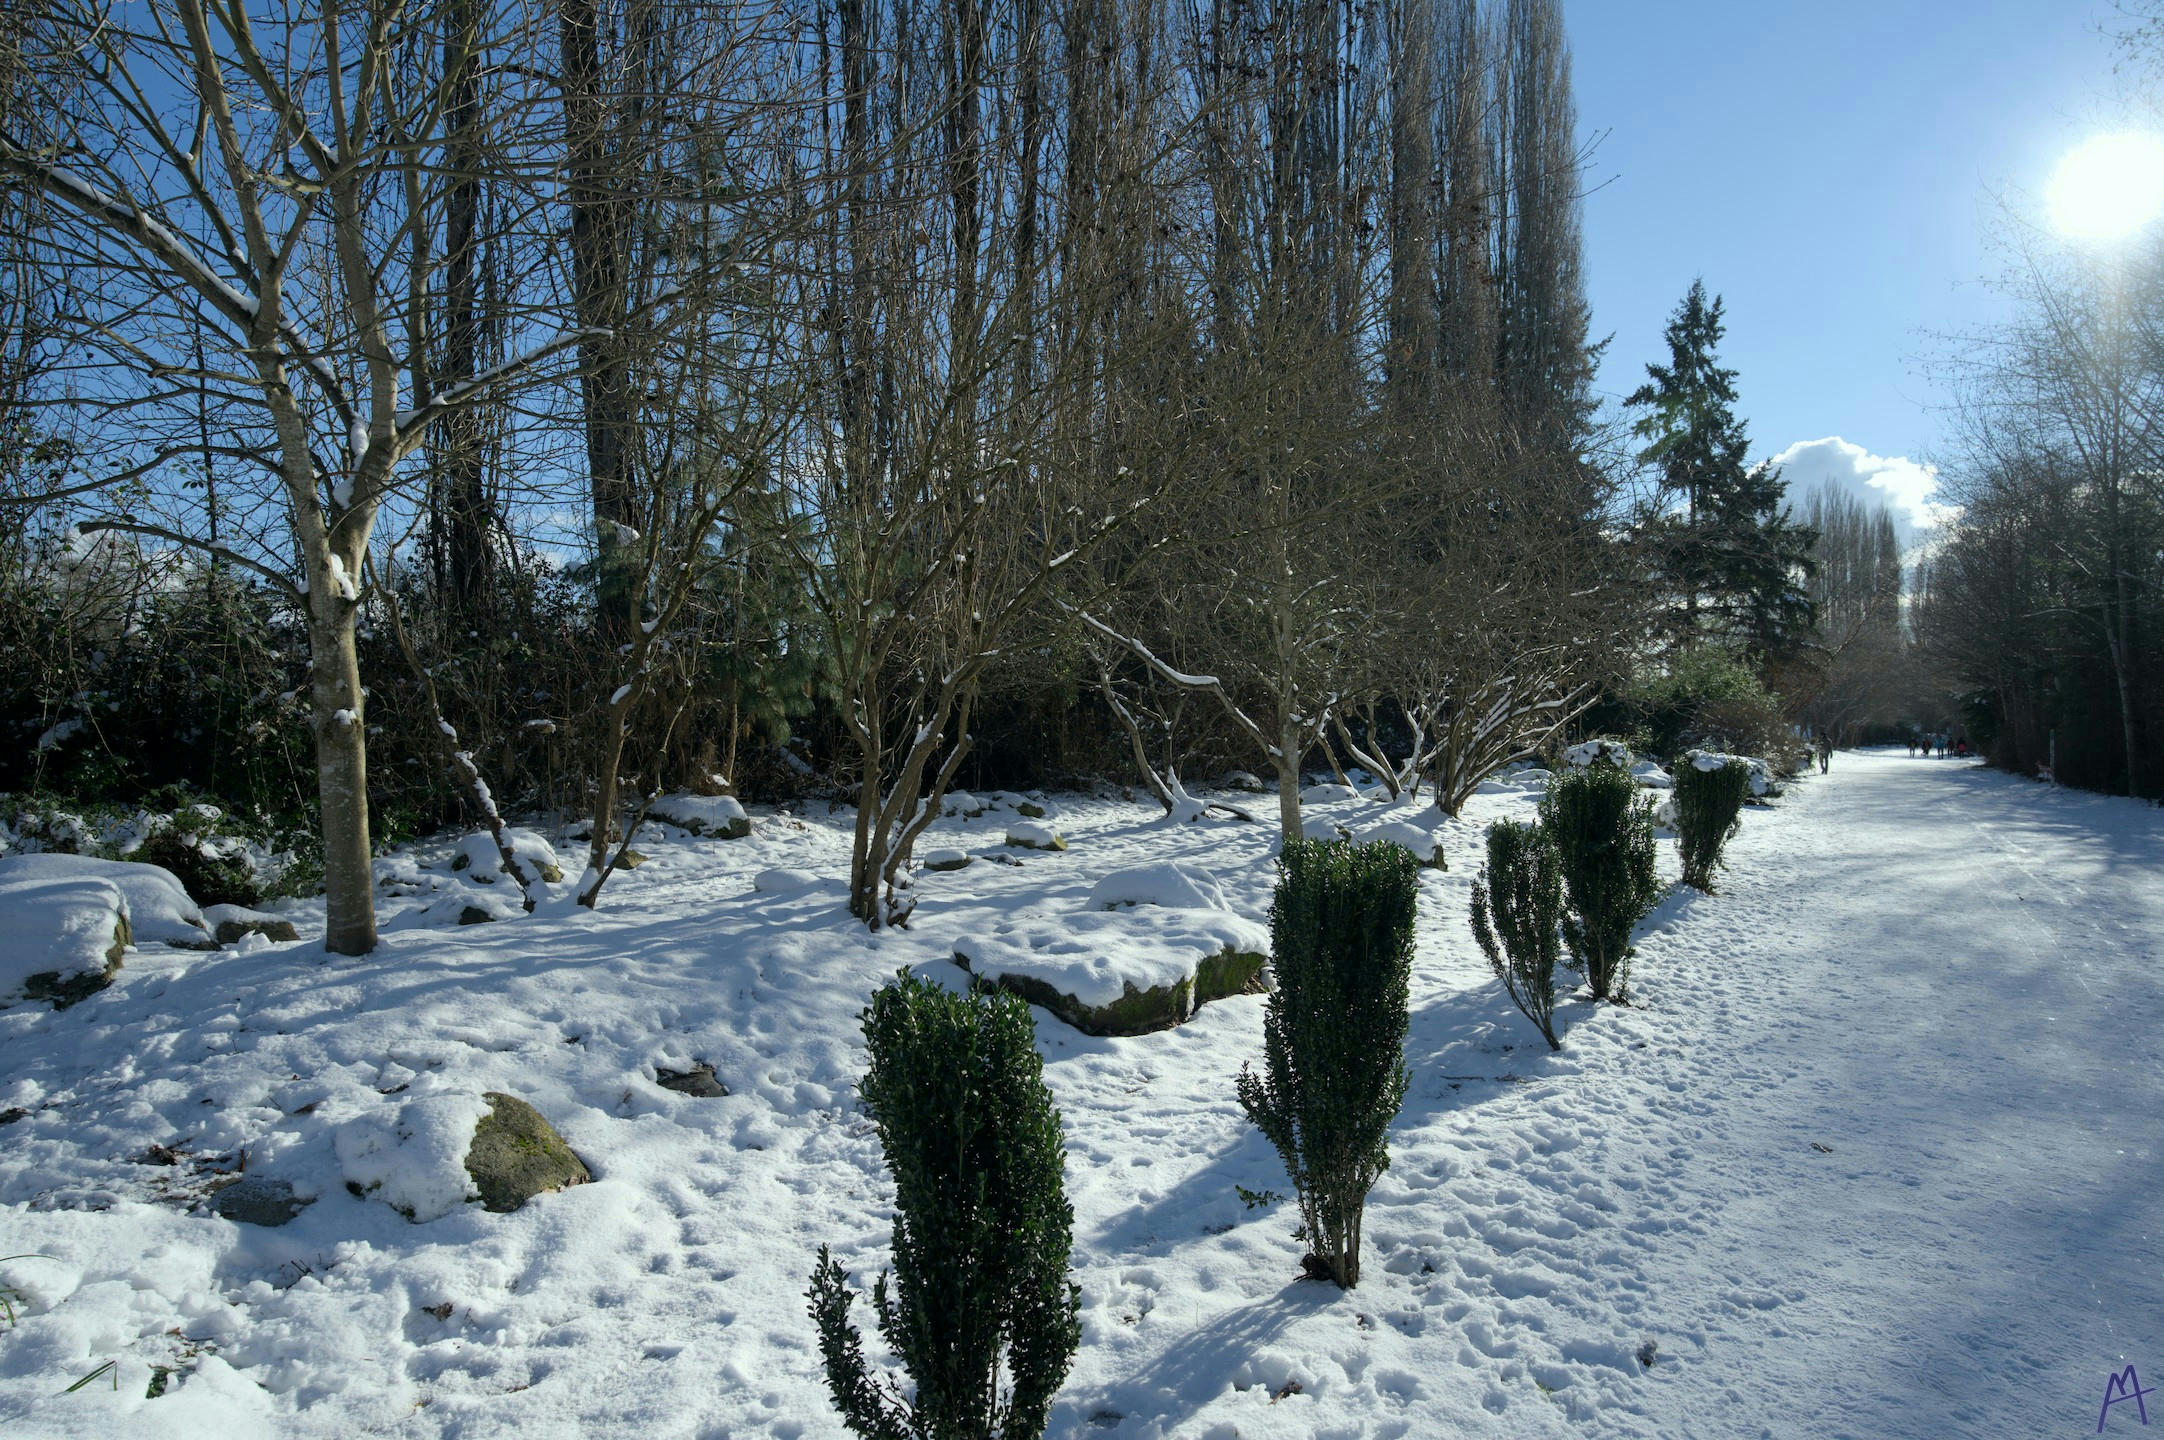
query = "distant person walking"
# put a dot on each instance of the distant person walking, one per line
(1825, 753)
(1912, 745)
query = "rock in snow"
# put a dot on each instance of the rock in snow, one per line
(231, 923)
(517, 1155)
(946, 858)
(1168, 943)
(718, 816)
(259, 1200)
(699, 1081)
(1035, 835)
(478, 856)
(1652, 776)
(1426, 845)
(61, 937)
(447, 1150)
(414, 1162)
(1592, 752)
(785, 881)
(159, 910)
(1172, 885)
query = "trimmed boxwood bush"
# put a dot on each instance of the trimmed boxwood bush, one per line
(982, 1227)
(1333, 1034)
(1710, 790)
(1602, 825)
(1517, 911)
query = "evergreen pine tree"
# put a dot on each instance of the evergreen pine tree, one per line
(1733, 553)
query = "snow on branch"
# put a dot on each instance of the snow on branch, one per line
(284, 585)
(128, 218)
(410, 423)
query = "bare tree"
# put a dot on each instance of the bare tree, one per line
(2063, 419)
(249, 246)
(934, 460)
(1855, 666)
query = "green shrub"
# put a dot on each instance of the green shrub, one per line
(1708, 695)
(1517, 908)
(1333, 1033)
(208, 880)
(1602, 826)
(982, 1226)
(1709, 809)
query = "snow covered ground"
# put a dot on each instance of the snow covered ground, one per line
(1875, 1155)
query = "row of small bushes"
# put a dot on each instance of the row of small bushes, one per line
(1580, 877)
(978, 1308)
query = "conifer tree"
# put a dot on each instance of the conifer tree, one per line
(1733, 553)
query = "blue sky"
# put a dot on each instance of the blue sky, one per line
(1834, 169)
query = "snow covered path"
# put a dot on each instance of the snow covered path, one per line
(1951, 979)
(1947, 978)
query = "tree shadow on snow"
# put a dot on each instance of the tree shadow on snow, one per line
(1470, 1046)
(1192, 1371)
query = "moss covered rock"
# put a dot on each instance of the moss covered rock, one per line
(716, 817)
(1138, 1011)
(61, 936)
(517, 1155)
(61, 991)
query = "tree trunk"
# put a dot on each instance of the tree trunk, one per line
(340, 726)
(1288, 782)
(468, 519)
(2116, 642)
(606, 784)
(597, 270)
(871, 780)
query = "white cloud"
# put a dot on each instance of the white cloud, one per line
(1904, 485)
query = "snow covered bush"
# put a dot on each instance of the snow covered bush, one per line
(1333, 1034)
(1603, 834)
(1598, 752)
(982, 1226)
(1517, 910)
(1709, 808)
(209, 876)
(1425, 845)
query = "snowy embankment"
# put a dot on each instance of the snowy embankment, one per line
(1874, 1155)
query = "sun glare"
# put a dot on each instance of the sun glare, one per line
(2108, 186)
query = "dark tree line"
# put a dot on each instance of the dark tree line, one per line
(2045, 603)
